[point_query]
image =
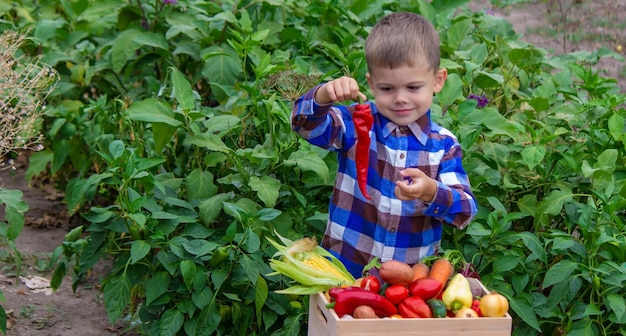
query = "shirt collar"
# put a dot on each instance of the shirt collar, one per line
(420, 128)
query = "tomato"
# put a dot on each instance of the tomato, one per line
(494, 305)
(396, 293)
(425, 288)
(371, 283)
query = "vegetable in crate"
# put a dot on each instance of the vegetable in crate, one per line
(414, 307)
(494, 305)
(396, 293)
(396, 272)
(311, 266)
(425, 288)
(458, 294)
(437, 308)
(346, 300)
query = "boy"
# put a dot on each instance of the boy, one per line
(415, 177)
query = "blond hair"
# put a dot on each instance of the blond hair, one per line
(401, 39)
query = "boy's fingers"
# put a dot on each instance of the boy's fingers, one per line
(362, 96)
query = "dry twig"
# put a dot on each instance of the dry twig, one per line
(24, 86)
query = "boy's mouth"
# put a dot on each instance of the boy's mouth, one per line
(402, 112)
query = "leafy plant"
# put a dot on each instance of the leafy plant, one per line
(171, 129)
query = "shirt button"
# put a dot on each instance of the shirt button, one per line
(392, 230)
(436, 210)
(402, 156)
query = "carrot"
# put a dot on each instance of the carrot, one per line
(420, 270)
(441, 270)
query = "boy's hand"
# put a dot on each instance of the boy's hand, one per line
(415, 185)
(338, 90)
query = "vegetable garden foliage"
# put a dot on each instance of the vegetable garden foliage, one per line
(170, 133)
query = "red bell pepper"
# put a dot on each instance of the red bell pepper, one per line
(425, 288)
(363, 121)
(476, 307)
(414, 307)
(347, 299)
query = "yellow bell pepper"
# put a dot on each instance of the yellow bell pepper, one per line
(458, 294)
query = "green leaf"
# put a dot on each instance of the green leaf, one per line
(116, 296)
(157, 286)
(260, 296)
(58, 275)
(218, 277)
(14, 211)
(492, 119)
(211, 208)
(222, 65)
(253, 243)
(309, 161)
(617, 304)
(149, 39)
(525, 311)
(616, 126)
(171, 321)
(457, 32)
(123, 48)
(221, 124)
(505, 263)
(534, 245)
(533, 155)
(559, 272)
(117, 148)
(3, 319)
(452, 91)
(182, 90)
(199, 247)
(200, 185)
(138, 250)
(188, 271)
(153, 111)
(208, 141)
(267, 189)
(208, 320)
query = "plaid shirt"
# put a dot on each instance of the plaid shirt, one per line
(386, 227)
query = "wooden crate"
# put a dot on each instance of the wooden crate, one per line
(325, 322)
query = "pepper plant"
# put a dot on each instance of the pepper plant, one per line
(169, 133)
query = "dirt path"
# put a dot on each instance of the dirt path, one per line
(32, 308)
(82, 313)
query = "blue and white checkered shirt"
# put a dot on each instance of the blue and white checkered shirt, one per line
(385, 227)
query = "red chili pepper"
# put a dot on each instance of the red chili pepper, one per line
(476, 307)
(414, 307)
(371, 283)
(396, 293)
(363, 121)
(347, 300)
(425, 288)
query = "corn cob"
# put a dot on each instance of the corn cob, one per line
(311, 266)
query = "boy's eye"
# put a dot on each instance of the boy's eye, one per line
(385, 89)
(414, 88)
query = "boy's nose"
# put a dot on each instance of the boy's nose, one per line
(400, 98)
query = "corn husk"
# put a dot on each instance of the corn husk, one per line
(290, 259)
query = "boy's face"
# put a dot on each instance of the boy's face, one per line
(405, 94)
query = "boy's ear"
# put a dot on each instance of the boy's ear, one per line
(369, 81)
(440, 79)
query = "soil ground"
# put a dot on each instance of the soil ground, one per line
(559, 26)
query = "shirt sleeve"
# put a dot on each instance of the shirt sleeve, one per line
(454, 201)
(322, 125)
